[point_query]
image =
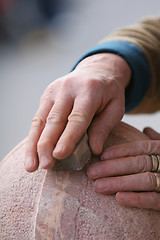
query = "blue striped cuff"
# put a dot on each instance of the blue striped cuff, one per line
(138, 63)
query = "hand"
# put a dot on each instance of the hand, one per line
(126, 171)
(92, 96)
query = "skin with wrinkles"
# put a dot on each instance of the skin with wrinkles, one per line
(62, 205)
(90, 98)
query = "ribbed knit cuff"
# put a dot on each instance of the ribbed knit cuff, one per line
(134, 56)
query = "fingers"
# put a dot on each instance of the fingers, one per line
(78, 121)
(148, 200)
(103, 123)
(56, 122)
(38, 124)
(127, 186)
(132, 149)
(151, 133)
(131, 183)
(119, 167)
(67, 113)
(60, 122)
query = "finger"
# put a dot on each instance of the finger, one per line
(148, 200)
(137, 182)
(56, 122)
(103, 123)
(78, 122)
(38, 124)
(151, 133)
(119, 167)
(132, 149)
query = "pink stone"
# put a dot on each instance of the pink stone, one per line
(62, 205)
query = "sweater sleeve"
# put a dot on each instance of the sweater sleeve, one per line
(139, 45)
(138, 63)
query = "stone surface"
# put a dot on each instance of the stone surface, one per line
(62, 205)
(78, 159)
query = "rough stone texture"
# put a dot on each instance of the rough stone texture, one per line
(78, 159)
(19, 196)
(62, 205)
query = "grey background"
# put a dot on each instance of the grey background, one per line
(39, 58)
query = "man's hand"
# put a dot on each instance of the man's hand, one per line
(91, 97)
(126, 171)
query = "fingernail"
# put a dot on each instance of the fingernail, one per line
(59, 149)
(107, 155)
(94, 171)
(123, 198)
(98, 149)
(100, 185)
(96, 145)
(44, 162)
(29, 163)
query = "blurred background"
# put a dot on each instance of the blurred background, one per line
(40, 40)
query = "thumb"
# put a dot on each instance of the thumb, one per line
(102, 125)
(151, 133)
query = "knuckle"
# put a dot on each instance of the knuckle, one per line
(156, 201)
(101, 86)
(56, 118)
(92, 83)
(43, 98)
(155, 147)
(138, 200)
(142, 163)
(38, 121)
(46, 100)
(145, 146)
(122, 184)
(78, 116)
(42, 144)
(66, 82)
(47, 95)
(150, 180)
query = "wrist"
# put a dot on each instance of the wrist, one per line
(113, 64)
